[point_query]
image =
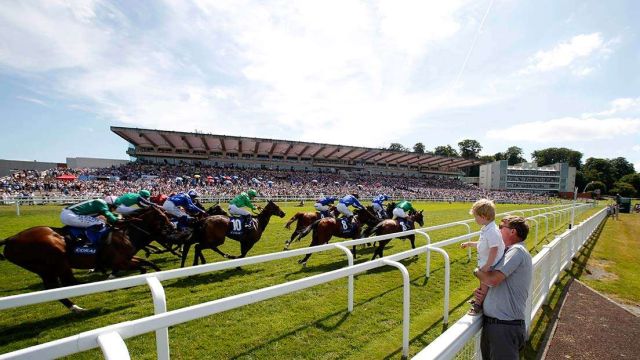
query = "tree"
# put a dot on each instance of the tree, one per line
(595, 169)
(633, 179)
(445, 150)
(469, 149)
(554, 155)
(488, 158)
(397, 147)
(418, 148)
(596, 185)
(621, 167)
(513, 155)
(623, 189)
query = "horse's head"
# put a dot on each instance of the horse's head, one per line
(418, 217)
(155, 219)
(216, 210)
(365, 216)
(272, 209)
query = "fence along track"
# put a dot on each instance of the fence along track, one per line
(160, 321)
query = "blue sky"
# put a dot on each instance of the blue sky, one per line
(532, 74)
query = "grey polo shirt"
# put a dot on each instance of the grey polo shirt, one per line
(508, 301)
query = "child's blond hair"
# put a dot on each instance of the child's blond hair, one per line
(484, 208)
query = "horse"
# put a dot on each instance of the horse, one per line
(325, 229)
(390, 226)
(48, 252)
(211, 232)
(304, 219)
(389, 214)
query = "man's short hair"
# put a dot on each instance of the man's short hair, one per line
(484, 208)
(517, 223)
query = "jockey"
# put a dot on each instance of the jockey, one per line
(184, 200)
(345, 202)
(82, 215)
(402, 209)
(194, 197)
(158, 199)
(127, 200)
(237, 204)
(323, 203)
(378, 205)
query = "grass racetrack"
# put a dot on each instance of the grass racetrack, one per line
(312, 323)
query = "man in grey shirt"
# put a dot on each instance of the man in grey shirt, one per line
(503, 329)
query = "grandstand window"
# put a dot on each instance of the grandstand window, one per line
(277, 157)
(305, 159)
(247, 156)
(215, 153)
(232, 155)
(292, 158)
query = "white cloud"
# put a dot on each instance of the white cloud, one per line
(566, 53)
(621, 105)
(32, 100)
(636, 148)
(322, 70)
(568, 129)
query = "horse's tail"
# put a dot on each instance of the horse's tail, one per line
(375, 229)
(308, 229)
(292, 220)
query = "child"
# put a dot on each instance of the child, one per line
(490, 245)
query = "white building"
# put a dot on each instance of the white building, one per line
(498, 175)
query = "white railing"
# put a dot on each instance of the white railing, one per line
(547, 267)
(158, 295)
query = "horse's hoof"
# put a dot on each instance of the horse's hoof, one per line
(91, 271)
(77, 309)
(285, 248)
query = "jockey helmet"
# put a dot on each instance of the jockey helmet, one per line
(355, 196)
(252, 193)
(110, 200)
(193, 194)
(144, 193)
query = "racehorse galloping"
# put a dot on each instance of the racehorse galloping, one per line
(325, 229)
(305, 219)
(389, 212)
(392, 226)
(45, 251)
(212, 231)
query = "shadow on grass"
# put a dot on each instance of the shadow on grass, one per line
(33, 329)
(203, 279)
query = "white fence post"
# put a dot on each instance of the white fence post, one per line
(406, 298)
(159, 307)
(113, 347)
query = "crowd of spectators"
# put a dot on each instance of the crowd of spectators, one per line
(225, 182)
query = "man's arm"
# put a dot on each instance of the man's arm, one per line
(491, 278)
(493, 254)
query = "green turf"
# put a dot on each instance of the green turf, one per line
(618, 254)
(308, 324)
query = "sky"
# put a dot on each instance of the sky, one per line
(532, 74)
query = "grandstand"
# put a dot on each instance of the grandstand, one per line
(171, 147)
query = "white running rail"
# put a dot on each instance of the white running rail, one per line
(158, 295)
(461, 339)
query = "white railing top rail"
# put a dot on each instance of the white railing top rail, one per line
(451, 341)
(89, 339)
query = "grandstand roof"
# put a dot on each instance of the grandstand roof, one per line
(206, 143)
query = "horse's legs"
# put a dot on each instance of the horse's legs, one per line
(185, 251)
(224, 255)
(50, 281)
(196, 253)
(380, 249)
(315, 241)
(288, 242)
(143, 262)
(412, 238)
